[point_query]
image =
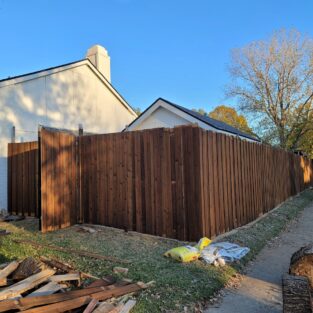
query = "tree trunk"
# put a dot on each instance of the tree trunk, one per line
(301, 263)
(296, 294)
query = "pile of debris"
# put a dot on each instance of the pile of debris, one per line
(48, 285)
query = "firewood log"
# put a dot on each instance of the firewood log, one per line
(301, 263)
(296, 294)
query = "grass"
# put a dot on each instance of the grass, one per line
(177, 285)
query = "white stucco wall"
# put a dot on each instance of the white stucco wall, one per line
(61, 99)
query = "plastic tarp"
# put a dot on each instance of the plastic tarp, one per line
(228, 251)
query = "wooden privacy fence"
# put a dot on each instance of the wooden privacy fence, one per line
(183, 182)
(59, 179)
(23, 178)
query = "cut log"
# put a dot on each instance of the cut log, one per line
(4, 273)
(28, 267)
(72, 251)
(47, 289)
(78, 302)
(301, 263)
(26, 284)
(296, 294)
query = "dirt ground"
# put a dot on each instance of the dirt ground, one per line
(260, 289)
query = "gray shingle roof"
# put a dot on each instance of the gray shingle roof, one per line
(212, 122)
(203, 118)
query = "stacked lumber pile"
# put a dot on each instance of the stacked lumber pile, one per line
(298, 284)
(48, 285)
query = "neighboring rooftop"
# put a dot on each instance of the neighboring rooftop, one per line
(203, 118)
(212, 122)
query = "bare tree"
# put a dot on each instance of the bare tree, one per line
(273, 80)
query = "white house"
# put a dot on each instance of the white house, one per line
(163, 113)
(64, 97)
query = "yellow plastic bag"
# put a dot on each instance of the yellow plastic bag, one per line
(188, 253)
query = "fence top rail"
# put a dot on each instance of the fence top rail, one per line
(166, 129)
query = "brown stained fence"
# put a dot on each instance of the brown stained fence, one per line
(144, 181)
(59, 175)
(23, 178)
(182, 183)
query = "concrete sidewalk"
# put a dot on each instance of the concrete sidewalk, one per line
(260, 290)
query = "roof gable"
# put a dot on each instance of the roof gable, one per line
(195, 117)
(52, 70)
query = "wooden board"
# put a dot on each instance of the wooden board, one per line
(23, 178)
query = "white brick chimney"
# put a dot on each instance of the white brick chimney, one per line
(99, 57)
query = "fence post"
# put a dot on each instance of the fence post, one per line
(79, 183)
(13, 134)
(80, 130)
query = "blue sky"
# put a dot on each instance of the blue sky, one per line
(175, 49)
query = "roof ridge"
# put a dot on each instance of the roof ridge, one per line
(40, 71)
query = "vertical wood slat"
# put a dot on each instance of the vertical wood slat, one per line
(22, 178)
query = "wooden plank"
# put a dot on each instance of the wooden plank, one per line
(166, 184)
(180, 216)
(226, 179)
(78, 302)
(90, 307)
(137, 181)
(104, 307)
(197, 180)
(13, 182)
(189, 180)
(48, 289)
(65, 277)
(205, 185)
(210, 173)
(31, 179)
(4, 273)
(236, 183)
(220, 164)
(147, 182)
(26, 284)
(129, 305)
(29, 302)
(129, 195)
(110, 180)
(9, 182)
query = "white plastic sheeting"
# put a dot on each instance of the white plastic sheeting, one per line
(227, 251)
